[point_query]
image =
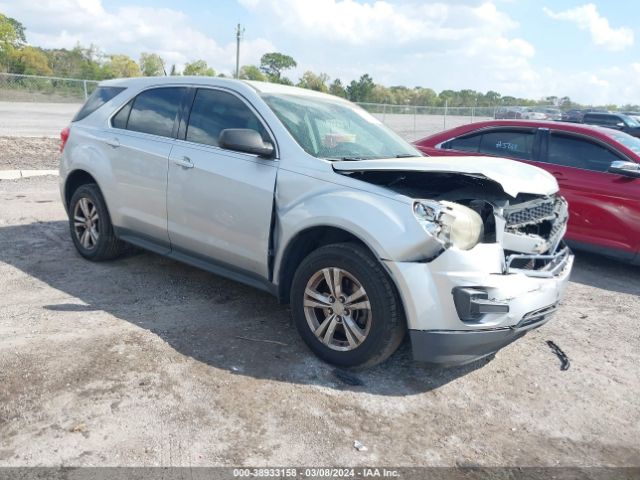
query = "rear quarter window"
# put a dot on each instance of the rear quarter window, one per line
(466, 143)
(99, 97)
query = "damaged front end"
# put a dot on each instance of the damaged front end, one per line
(532, 235)
(461, 210)
(500, 267)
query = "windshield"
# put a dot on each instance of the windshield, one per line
(632, 122)
(337, 130)
(632, 143)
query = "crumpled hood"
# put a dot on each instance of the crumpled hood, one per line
(514, 177)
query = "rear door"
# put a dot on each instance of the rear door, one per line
(138, 146)
(219, 201)
(518, 143)
(604, 207)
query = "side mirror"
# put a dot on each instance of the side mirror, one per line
(245, 140)
(627, 169)
(620, 125)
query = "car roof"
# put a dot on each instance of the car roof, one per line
(550, 124)
(259, 87)
(602, 114)
(594, 131)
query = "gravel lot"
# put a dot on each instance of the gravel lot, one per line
(144, 361)
(38, 153)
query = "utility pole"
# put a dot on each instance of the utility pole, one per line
(239, 33)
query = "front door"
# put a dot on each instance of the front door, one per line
(220, 202)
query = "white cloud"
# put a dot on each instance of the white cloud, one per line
(382, 23)
(130, 30)
(430, 43)
(586, 17)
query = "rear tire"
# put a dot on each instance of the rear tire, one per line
(346, 307)
(90, 225)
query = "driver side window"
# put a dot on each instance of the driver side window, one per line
(575, 152)
(214, 111)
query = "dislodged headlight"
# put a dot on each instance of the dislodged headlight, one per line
(451, 223)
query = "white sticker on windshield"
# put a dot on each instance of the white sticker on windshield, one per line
(507, 146)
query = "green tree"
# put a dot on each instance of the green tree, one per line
(492, 98)
(11, 33)
(362, 90)
(11, 38)
(251, 72)
(336, 88)
(122, 66)
(314, 81)
(274, 63)
(30, 61)
(80, 62)
(424, 97)
(199, 67)
(151, 64)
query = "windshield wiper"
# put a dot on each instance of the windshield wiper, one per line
(406, 155)
(353, 159)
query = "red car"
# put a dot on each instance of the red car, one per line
(598, 170)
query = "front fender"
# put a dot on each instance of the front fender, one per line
(386, 225)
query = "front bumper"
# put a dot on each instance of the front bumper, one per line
(437, 332)
(457, 347)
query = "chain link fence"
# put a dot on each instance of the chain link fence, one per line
(415, 122)
(32, 88)
(409, 121)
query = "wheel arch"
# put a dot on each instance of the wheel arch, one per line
(74, 180)
(309, 240)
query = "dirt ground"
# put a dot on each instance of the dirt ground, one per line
(41, 153)
(146, 362)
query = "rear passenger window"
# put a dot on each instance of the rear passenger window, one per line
(99, 97)
(154, 111)
(575, 152)
(214, 111)
(508, 143)
(469, 143)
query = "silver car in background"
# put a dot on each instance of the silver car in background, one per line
(309, 197)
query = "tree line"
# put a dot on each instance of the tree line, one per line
(90, 63)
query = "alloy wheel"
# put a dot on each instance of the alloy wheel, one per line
(85, 223)
(337, 309)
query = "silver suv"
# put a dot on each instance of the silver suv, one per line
(309, 197)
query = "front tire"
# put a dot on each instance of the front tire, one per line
(90, 225)
(345, 306)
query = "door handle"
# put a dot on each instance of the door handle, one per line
(184, 162)
(113, 143)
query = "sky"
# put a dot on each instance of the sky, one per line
(587, 50)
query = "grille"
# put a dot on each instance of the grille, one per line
(531, 213)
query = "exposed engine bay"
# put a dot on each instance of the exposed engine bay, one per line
(529, 227)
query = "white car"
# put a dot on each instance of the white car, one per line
(531, 114)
